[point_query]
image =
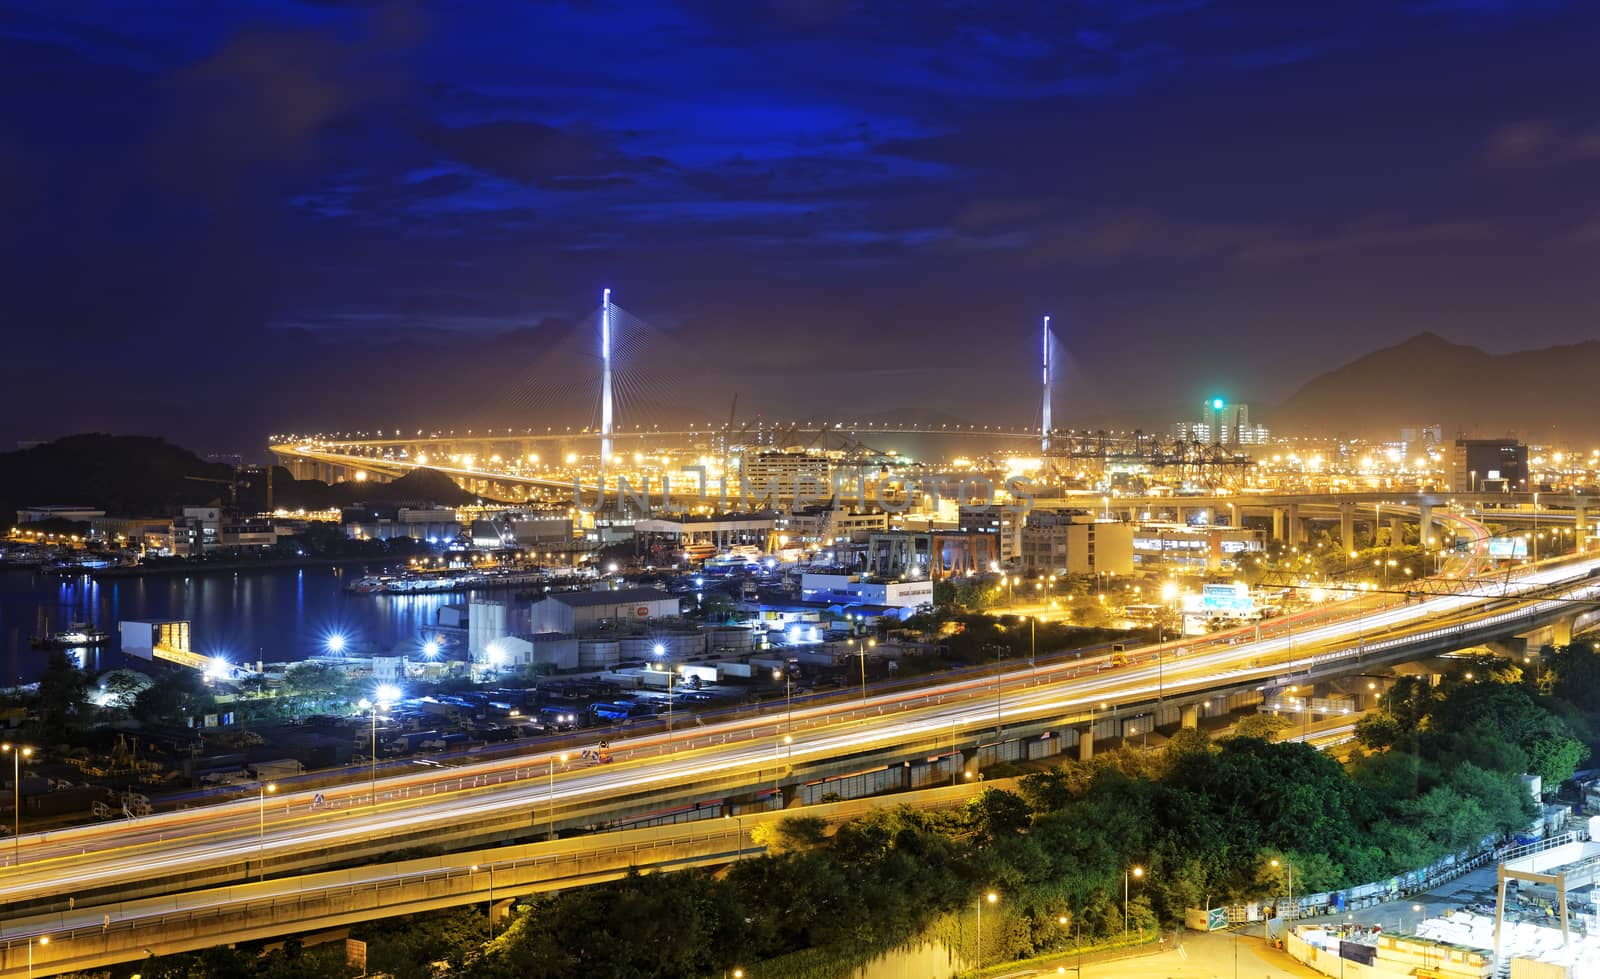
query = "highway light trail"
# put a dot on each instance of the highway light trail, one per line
(171, 845)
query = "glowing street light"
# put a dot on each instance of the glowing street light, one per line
(384, 696)
(17, 753)
(1138, 874)
(336, 643)
(261, 844)
(991, 897)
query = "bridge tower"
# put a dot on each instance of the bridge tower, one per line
(1044, 420)
(605, 377)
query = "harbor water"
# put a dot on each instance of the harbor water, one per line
(272, 615)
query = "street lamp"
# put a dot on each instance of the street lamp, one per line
(385, 695)
(474, 869)
(43, 940)
(17, 752)
(788, 698)
(991, 897)
(1536, 528)
(1290, 870)
(1138, 873)
(261, 844)
(552, 803)
(861, 651)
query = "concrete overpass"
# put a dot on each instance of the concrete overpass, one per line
(89, 934)
(653, 771)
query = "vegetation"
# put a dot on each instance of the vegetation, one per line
(1208, 822)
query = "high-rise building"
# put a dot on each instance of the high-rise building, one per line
(1488, 464)
(1221, 423)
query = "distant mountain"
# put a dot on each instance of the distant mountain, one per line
(121, 474)
(1539, 395)
(135, 475)
(420, 487)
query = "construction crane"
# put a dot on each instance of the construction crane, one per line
(233, 484)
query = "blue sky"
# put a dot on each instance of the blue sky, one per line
(258, 216)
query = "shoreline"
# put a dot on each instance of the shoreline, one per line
(208, 567)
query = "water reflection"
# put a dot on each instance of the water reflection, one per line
(272, 615)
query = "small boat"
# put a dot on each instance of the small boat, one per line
(75, 634)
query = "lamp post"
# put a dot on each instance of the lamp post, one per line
(43, 940)
(17, 752)
(261, 840)
(382, 697)
(1137, 872)
(991, 897)
(1535, 528)
(672, 679)
(490, 868)
(551, 833)
(998, 651)
(1290, 871)
(788, 698)
(861, 651)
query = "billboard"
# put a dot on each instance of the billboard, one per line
(1508, 548)
(1233, 597)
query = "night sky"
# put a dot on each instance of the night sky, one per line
(227, 219)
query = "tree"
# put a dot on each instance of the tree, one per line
(996, 814)
(63, 695)
(122, 687)
(174, 697)
(1261, 726)
(1554, 758)
(314, 681)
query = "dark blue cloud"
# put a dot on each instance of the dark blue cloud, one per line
(308, 201)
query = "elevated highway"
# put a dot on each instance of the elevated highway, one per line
(499, 799)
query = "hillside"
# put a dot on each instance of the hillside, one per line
(137, 475)
(1540, 394)
(122, 474)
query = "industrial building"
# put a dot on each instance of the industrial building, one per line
(834, 525)
(1495, 465)
(1074, 542)
(782, 469)
(723, 531)
(854, 589)
(579, 612)
(1176, 546)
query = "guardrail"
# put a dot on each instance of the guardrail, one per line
(90, 937)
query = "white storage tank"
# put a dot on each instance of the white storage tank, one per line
(734, 640)
(675, 645)
(598, 654)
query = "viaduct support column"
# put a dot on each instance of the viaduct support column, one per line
(1561, 631)
(1347, 526)
(1397, 531)
(1191, 716)
(1580, 524)
(1297, 530)
(1086, 744)
(1278, 515)
(1425, 524)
